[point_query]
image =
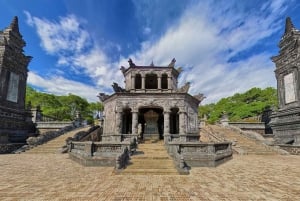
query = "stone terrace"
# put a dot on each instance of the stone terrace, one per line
(56, 177)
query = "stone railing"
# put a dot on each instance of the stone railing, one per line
(101, 153)
(197, 154)
(45, 137)
(9, 147)
(292, 149)
(258, 127)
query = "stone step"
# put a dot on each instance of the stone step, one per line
(151, 159)
(150, 172)
(249, 146)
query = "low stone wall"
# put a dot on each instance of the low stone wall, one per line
(197, 154)
(292, 149)
(9, 148)
(258, 127)
(101, 153)
(41, 139)
(44, 127)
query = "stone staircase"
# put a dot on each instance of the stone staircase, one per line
(54, 146)
(241, 143)
(151, 158)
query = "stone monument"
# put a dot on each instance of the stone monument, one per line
(285, 122)
(15, 120)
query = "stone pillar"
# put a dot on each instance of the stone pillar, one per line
(182, 126)
(119, 123)
(134, 123)
(159, 82)
(166, 126)
(170, 85)
(143, 81)
(133, 82)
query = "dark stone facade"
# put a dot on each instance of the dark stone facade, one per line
(286, 121)
(15, 120)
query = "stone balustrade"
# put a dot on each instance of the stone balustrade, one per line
(196, 154)
(101, 153)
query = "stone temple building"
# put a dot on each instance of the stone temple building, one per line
(151, 106)
(286, 121)
(15, 121)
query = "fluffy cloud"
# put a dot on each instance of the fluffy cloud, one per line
(206, 39)
(59, 37)
(61, 86)
(75, 51)
(208, 36)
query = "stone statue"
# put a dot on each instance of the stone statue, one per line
(179, 70)
(123, 69)
(103, 96)
(172, 64)
(185, 88)
(140, 130)
(200, 97)
(117, 88)
(131, 64)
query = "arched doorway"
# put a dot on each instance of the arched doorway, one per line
(151, 121)
(174, 121)
(126, 121)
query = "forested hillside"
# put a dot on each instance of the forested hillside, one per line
(240, 106)
(62, 107)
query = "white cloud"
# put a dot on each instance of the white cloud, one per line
(75, 50)
(205, 39)
(65, 35)
(61, 86)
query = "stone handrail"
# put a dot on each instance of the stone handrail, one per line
(107, 153)
(196, 154)
(41, 139)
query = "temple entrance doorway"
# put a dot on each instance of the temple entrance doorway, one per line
(151, 121)
(126, 121)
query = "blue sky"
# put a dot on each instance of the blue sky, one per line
(78, 46)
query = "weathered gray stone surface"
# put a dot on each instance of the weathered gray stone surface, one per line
(151, 107)
(15, 120)
(286, 121)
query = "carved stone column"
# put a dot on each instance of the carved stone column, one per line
(182, 125)
(170, 85)
(166, 126)
(159, 81)
(133, 82)
(143, 81)
(118, 123)
(134, 123)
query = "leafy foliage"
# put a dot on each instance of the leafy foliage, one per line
(240, 106)
(62, 107)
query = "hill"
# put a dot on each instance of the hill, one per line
(62, 107)
(241, 106)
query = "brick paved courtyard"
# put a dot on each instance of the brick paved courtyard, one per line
(56, 177)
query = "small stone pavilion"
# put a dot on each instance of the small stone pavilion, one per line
(151, 107)
(285, 122)
(15, 120)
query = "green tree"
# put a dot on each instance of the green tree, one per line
(240, 106)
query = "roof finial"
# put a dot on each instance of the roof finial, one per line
(152, 64)
(288, 25)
